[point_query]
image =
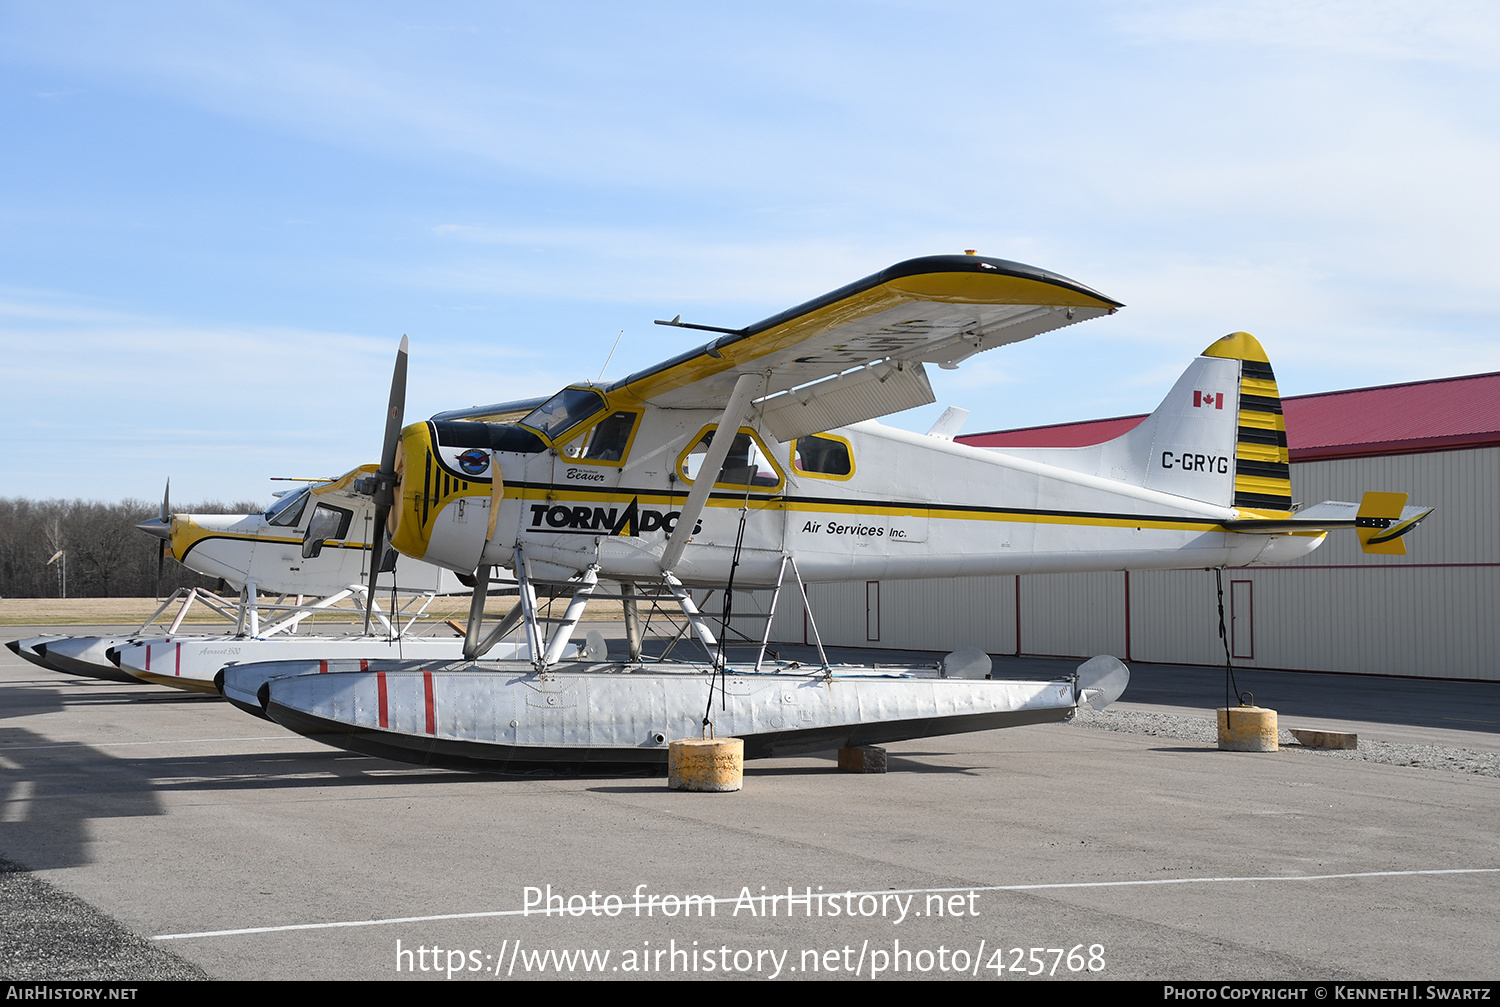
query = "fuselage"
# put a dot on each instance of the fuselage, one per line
(268, 549)
(862, 502)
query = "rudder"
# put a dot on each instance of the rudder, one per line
(1262, 471)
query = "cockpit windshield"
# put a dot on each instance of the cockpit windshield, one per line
(563, 411)
(288, 510)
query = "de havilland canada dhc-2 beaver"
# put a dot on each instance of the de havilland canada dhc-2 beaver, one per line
(609, 484)
(310, 545)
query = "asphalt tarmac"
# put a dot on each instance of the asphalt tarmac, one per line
(166, 832)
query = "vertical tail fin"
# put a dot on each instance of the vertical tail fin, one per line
(1218, 437)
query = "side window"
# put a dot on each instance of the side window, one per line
(327, 523)
(822, 455)
(610, 438)
(745, 465)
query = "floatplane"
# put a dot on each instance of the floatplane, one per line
(306, 554)
(755, 462)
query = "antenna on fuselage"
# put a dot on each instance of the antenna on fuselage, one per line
(611, 356)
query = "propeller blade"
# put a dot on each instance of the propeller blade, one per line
(165, 516)
(385, 478)
(377, 557)
(394, 413)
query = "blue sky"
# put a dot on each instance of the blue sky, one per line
(219, 218)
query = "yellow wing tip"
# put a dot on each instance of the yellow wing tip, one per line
(1238, 346)
(343, 481)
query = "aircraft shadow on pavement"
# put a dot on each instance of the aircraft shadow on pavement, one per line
(1414, 702)
(52, 791)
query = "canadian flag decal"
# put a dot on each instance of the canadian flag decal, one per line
(1205, 399)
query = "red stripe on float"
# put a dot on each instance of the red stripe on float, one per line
(178, 670)
(322, 667)
(148, 657)
(364, 665)
(380, 688)
(431, 713)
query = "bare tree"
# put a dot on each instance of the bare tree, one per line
(107, 555)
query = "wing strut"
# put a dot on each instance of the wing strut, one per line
(564, 631)
(474, 647)
(713, 462)
(765, 640)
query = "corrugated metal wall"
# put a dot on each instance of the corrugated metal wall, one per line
(899, 615)
(1073, 614)
(1434, 612)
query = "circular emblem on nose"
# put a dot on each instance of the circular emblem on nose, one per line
(474, 461)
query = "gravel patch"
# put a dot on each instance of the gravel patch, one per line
(48, 935)
(1205, 732)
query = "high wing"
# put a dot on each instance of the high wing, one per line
(857, 353)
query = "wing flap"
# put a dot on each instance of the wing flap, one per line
(853, 397)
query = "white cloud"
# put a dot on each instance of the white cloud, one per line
(108, 403)
(1465, 32)
(523, 183)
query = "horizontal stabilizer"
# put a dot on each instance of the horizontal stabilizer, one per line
(1380, 520)
(949, 424)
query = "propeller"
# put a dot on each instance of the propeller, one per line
(384, 486)
(166, 520)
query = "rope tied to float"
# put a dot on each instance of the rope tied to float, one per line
(721, 661)
(1230, 685)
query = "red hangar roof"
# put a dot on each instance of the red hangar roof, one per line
(1440, 415)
